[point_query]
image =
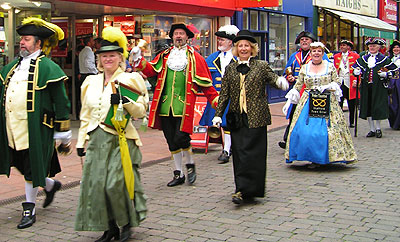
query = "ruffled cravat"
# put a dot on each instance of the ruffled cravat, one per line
(177, 60)
(371, 61)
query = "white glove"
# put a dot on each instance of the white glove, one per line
(357, 71)
(65, 137)
(293, 96)
(136, 55)
(282, 83)
(322, 88)
(382, 74)
(217, 121)
(285, 107)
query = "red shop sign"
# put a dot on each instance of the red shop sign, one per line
(388, 11)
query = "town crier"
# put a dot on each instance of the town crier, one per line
(181, 72)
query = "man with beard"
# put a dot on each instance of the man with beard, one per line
(34, 108)
(181, 72)
(217, 62)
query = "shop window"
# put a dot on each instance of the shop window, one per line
(263, 21)
(277, 42)
(245, 19)
(296, 26)
(254, 20)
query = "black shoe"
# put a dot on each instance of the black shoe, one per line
(50, 195)
(126, 232)
(351, 125)
(282, 144)
(224, 157)
(237, 198)
(191, 173)
(177, 179)
(371, 134)
(108, 235)
(27, 217)
(378, 133)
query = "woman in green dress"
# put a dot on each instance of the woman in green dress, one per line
(111, 193)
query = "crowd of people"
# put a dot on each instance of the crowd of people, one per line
(113, 92)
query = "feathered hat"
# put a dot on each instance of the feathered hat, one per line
(48, 32)
(377, 41)
(113, 40)
(227, 31)
(347, 42)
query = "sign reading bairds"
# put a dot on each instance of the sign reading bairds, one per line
(363, 7)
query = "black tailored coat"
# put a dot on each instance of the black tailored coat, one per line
(256, 79)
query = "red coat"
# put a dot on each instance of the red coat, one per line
(197, 67)
(352, 59)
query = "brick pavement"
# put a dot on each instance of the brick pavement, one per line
(357, 202)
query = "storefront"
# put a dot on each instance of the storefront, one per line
(352, 20)
(388, 11)
(276, 29)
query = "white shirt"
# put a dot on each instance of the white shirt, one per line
(87, 61)
(226, 58)
(344, 73)
(15, 107)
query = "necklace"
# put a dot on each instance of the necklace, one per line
(316, 64)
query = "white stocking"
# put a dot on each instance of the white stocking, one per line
(187, 155)
(371, 124)
(378, 124)
(227, 143)
(30, 193)
(178, 162)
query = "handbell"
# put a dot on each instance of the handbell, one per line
(214, 131)
(288, 71)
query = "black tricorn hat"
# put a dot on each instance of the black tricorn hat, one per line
(183, 26)
(347, 42)
(35, 30)
(244, 34)
(305, 34)
(373, 40)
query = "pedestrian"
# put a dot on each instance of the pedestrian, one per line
(111, 193)
(394, 87)
(295, 62)
(35, 107)
(243, 87)
(374, 68)
(217, 63)
(344, 62)
(180, 71)
(318, 132)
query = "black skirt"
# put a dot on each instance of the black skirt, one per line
(249, 151)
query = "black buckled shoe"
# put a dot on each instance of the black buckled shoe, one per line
(378, 133)
(237, 198)
(112, 232)
(282, 144)
(224, 157)
(126, 232)
(191, 173)
(371, 134)
(28, 218)
(50, 195)
(177, 179)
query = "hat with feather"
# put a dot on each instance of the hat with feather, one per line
(113, 40)
(227, 31)
(48, 32)
(373, 40)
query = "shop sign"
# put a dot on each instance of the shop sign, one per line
(125, 23)
(257, 3)
(61, 51)
(388, 11)
(148, 24)
(84, 29)
(363, 7)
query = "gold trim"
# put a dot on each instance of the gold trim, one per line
(63, 125)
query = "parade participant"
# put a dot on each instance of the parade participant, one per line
(111, 193)
(217, 63)
(181, 71)
(35, 107)
(375, 68)
(243, 87)
(343, 62)
(319, 135)
(296, 60)
(394, 87)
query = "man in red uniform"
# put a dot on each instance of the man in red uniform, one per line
(343, 62)
(181, 72)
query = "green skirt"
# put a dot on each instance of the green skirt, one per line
(103, 194)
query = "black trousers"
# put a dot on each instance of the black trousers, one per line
(285, 135)
(351, 103)
(176, 139)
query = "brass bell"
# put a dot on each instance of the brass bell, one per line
(142, 44)
(214, 131)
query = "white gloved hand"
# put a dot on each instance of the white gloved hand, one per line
(217, 121)
(382, 74)
(282, 83)
(285, 107)
(293, 96)
(322, 88)
(136, 55)
(357, 71)
(65, 137)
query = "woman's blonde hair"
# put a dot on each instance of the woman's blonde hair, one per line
(122, 64)
(254, 48)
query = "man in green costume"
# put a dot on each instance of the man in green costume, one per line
(34, 109)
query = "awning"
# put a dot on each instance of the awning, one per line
(372, 27)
